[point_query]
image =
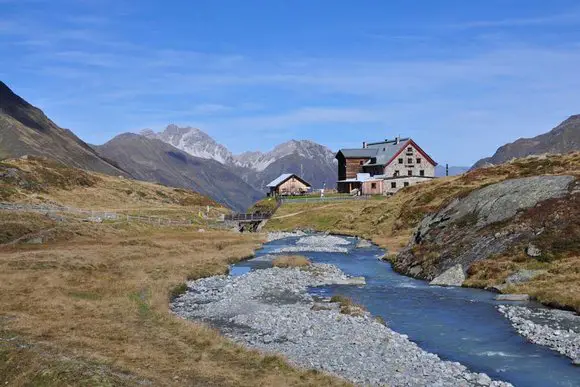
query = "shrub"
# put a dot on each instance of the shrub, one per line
(286, 261)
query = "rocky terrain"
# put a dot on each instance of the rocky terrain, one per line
(487, 222)
(562, 139)
(271, 310)
(556, 329)
(317, 243)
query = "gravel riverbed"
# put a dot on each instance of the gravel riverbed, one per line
(271, 310)
(556, 329)
(318, 243)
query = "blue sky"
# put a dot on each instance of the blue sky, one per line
(460, 77)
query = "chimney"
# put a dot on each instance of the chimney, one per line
(397, 140)
(364, 144)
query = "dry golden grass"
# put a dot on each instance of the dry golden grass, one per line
(94, 310)
(42, 181)
(291, 261)
(390, 222)
(347, 306)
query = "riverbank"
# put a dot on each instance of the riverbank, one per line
(556, 329)
(272, 310)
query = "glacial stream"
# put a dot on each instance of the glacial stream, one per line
(457, 324)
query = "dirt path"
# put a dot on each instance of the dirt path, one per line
(301, 212)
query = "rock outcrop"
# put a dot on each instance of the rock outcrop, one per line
(485, 223)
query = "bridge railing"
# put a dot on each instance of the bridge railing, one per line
(250, 217)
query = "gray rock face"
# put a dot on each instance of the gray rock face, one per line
(271, 310)
(480, 225)
(556, 329)
(452, 277)
(502, 201)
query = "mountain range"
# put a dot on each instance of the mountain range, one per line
(314, 162)
(563, 138)
(152, 160)
(189, 158)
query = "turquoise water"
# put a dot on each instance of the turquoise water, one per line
(458, 324)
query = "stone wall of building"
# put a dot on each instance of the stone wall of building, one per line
(415, 167)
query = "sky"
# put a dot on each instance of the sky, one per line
(459, 77)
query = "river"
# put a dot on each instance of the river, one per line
(458, 324)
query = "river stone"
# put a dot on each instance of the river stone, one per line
(512, 297)
(533, 251)
(454, 276)
(363, 244)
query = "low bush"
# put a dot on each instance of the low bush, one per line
(287, 261)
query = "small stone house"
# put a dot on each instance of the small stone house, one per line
(383, 167)
(288, 184)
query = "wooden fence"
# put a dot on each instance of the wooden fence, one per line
(94, 216)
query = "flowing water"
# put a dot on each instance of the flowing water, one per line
(458, 324)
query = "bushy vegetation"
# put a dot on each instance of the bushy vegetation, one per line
(286, 261)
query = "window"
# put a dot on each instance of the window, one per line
(394, 184)
(373, 185)
(396, 173)
(410, 149)
(409, 161)
(361, 162)
(406, 184)
(400, 161)
(418, 161)
(421, 173)
(410, 172)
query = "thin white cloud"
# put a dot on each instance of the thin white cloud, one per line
(563, 18)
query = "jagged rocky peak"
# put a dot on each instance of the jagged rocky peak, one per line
(193, 141)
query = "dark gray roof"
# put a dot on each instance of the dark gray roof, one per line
(387, 150)
(359, 153)
(381, 152)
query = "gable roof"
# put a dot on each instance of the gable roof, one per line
(282, 178)
(414, 145)
(384, 152)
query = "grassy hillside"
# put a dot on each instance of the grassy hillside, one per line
(39, 180)
(390, 222)
(89, 306)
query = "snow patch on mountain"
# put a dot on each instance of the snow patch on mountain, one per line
(198, 143)
(193, 141)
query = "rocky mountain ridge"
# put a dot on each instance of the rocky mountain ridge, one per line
(314, 161)
(26, 130)
(562, 139)
(153, 160)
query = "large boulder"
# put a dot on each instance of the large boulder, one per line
(452, 277)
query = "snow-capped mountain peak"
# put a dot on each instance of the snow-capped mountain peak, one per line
(193, 141)
(315, 161)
